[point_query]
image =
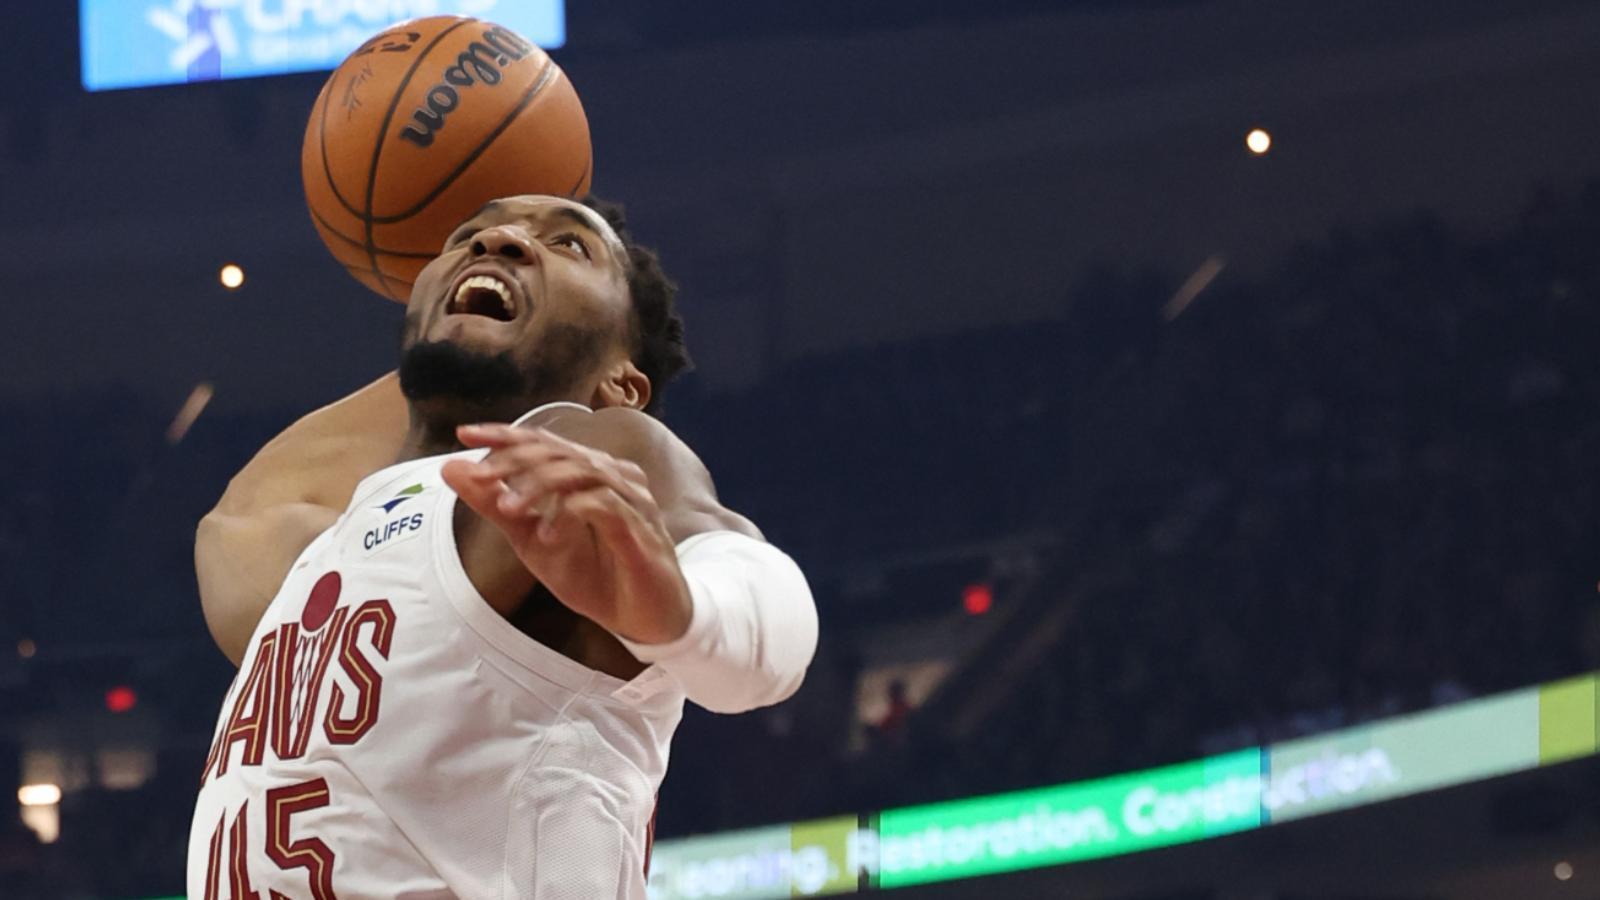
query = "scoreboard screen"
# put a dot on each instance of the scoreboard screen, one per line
(135, 43)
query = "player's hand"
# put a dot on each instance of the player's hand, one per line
(583, 522)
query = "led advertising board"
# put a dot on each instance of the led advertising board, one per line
(1355, 766)
(1049, 826)
(1252, 788)
(1569, 719)
(962, 838)
(807, 859)
(135, 43)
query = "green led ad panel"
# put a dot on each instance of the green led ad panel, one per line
(807, 859)
(740, 865)
(1569, 719)
(838, 842)
(1470, 741)
(1047, 826)
(1467, 742)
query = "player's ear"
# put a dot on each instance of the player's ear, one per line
(622, 385)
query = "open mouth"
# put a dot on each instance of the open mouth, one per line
(483, 295)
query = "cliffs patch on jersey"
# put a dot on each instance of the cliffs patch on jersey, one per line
(277, 702)
(397, 521)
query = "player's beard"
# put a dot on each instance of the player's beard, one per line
(474, 383)
(441, 371)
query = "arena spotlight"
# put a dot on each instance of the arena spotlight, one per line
(231, 276)
(39, 795)
(1259, 141)
(1563, 871)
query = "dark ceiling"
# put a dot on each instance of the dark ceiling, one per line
(817, 175)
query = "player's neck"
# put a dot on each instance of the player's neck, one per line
(432, 429)
(433, 425)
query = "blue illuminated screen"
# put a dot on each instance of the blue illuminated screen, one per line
(134, 43)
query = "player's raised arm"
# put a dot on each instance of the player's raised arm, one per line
(619, 520)
(290, 492)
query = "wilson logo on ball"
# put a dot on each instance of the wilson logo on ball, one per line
(480, 63)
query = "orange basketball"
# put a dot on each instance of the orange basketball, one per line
(421, 126)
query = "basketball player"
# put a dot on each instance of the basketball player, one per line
(464, 644)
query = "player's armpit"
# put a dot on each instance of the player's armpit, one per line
(323, 456)
(240, 562)
(290, 492)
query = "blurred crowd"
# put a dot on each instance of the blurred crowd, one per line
(1357, 485)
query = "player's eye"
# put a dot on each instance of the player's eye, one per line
(460, 234)
(574, 242)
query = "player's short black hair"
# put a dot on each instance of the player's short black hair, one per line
(659, 349)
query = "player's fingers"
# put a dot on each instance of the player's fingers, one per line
(537, 504)
(480, 469)
(556, 477)
(632, 471)
(483, 491)
(563, 446)
(480, 494)
(462, 472)
(552, 525)
(534, 463)
(512, 458)
(567, 474)
(512, 446)
(492, 434)
(613, 519)
(546, 436)
(543, 500)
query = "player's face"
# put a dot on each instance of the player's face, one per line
(540, 280)
(519, 267)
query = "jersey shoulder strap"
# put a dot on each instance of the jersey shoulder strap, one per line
(538, 410)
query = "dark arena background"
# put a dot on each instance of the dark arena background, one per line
(1186, 411)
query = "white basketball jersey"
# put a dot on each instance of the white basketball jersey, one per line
(390, 735)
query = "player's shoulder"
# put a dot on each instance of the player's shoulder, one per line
(678, 479)
(620, 431)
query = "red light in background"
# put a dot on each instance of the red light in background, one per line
(121, 698)
(977, 599)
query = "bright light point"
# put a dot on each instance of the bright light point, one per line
(1563, 871)
(121, 698)
(39, 795)
(977, 599)
(1258, 141)
(26, 648)
(232, 277)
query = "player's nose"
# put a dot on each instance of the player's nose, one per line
(505, 241)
